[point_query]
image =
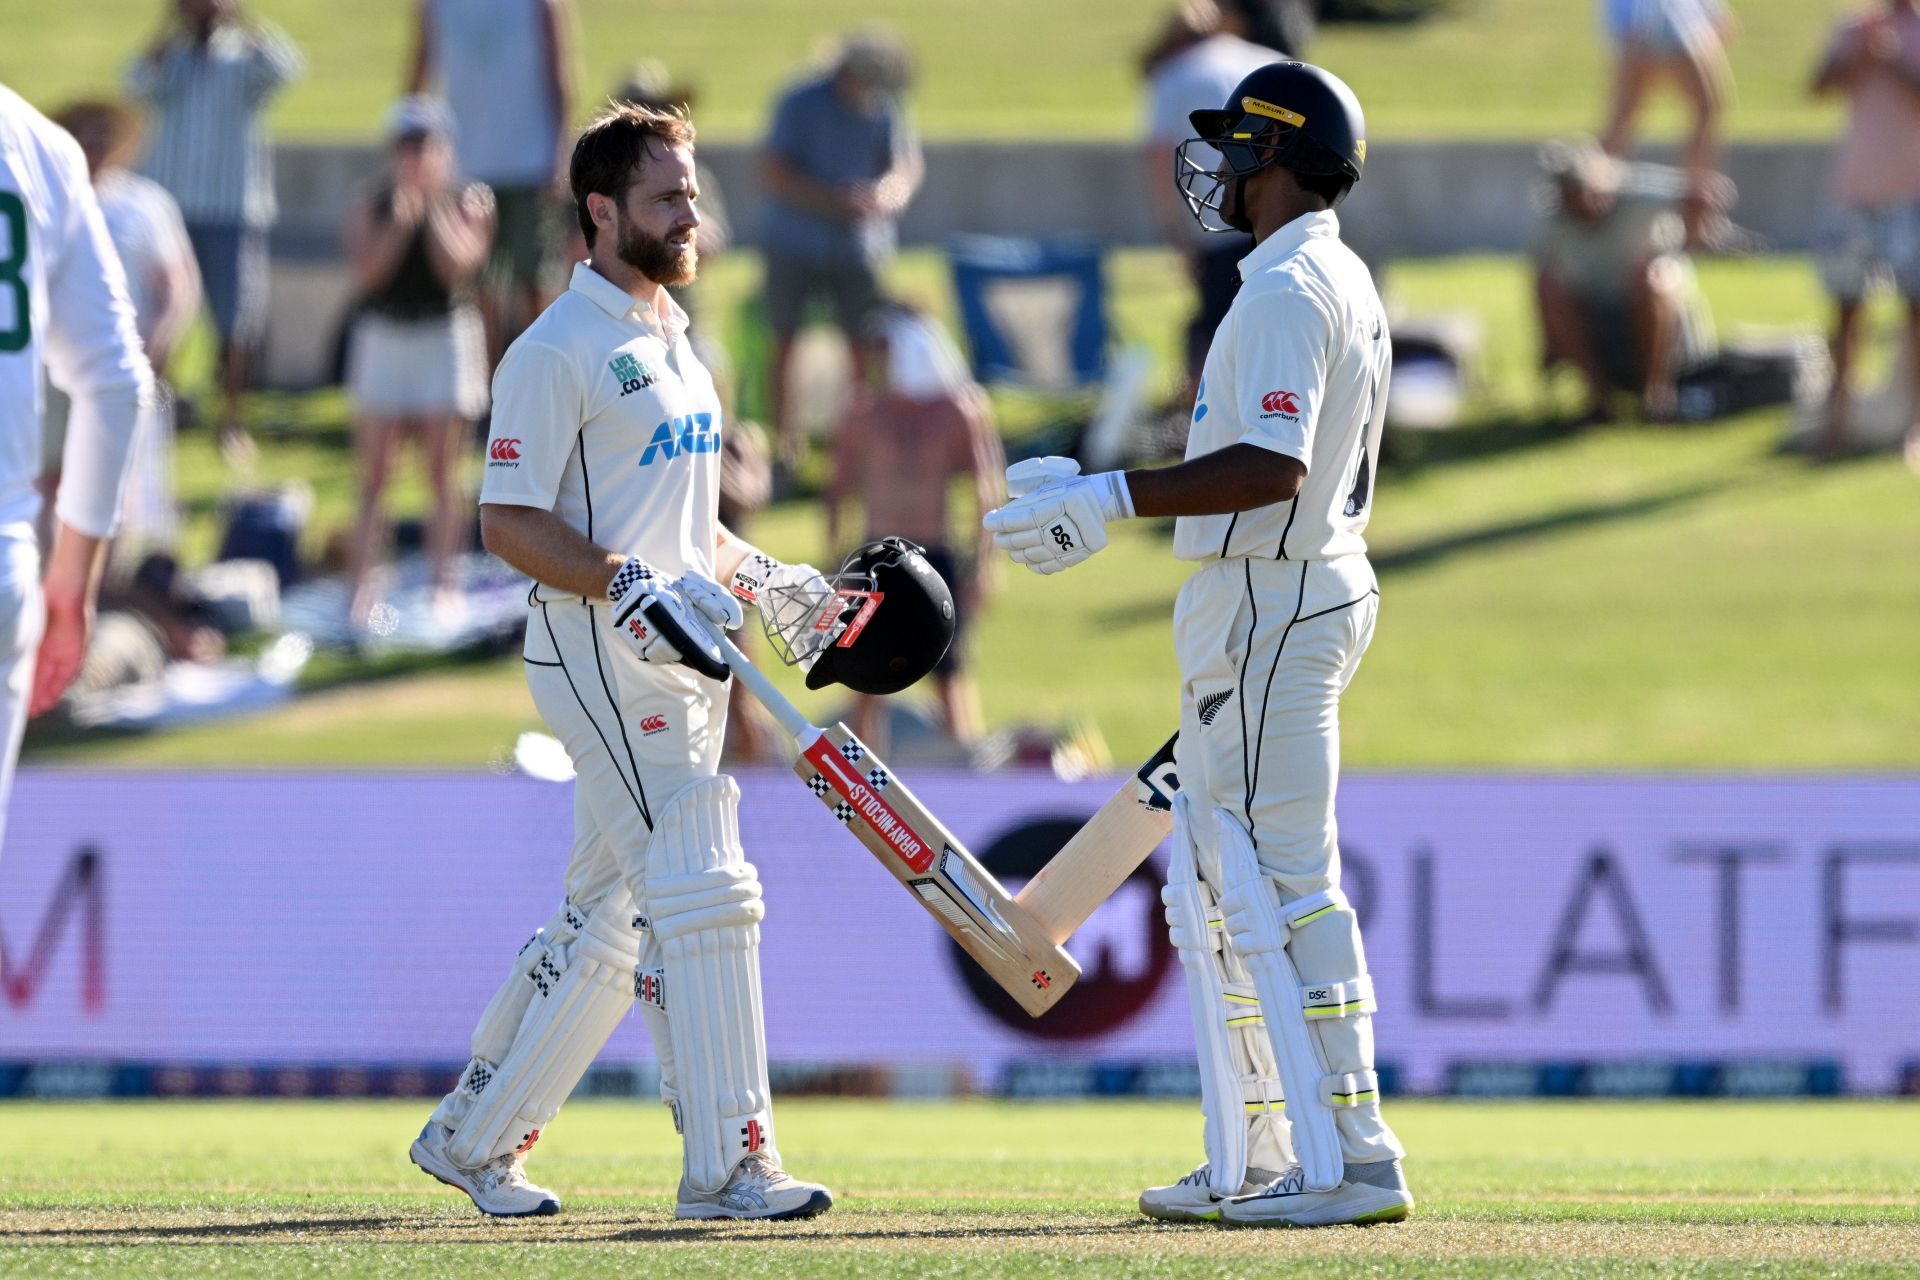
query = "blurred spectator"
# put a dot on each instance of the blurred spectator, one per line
(840, 164)
(1685, 41)
(1874, 60)
(1285, 26)
(504, 69)
(147, 621)
(207, 79)
(163, 283)
(416, 364)
(1617, 295)
(922, 424)
(1193, 64)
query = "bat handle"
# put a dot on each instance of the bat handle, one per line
(798, 727)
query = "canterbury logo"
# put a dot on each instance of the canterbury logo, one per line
(1211, 704)
(504, 450)
(653, 724)
(1280, 402)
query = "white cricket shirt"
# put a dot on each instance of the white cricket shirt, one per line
(63, 311)
(1298, 366)
(609, 421)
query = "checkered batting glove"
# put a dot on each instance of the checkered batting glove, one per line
(666, 620)
(796, 602)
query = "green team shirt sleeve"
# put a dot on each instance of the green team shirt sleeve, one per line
(538, 409)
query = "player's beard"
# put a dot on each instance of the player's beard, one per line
(654, 258)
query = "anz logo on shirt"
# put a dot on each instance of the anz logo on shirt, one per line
(683, 434)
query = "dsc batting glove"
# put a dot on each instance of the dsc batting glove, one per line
(1058, 517)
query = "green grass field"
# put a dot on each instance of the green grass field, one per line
(1619, 598)
(1506, 1189)
(991, 68)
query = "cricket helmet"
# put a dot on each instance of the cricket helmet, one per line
(888, 622)
(1288, 114)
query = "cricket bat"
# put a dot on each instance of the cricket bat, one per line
(942, 874)
(1104, 852)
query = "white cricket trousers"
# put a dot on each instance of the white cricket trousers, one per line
(637, 733)
(1266, 647)
(22, 621)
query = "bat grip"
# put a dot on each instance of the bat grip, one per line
(798, 727)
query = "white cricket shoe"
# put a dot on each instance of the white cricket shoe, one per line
(1193, 1198)
(1367, 1194)
(759, 1188)
(498, 1187)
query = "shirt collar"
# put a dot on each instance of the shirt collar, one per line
(1321, 224)
(621, 305)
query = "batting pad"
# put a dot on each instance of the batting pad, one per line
(1251, 907)
(703, 908)
(581, 991)
(1310, 972)
(1240, 1090)
(500, 1021)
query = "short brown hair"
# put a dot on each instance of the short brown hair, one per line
(119, 123)
(612, 148)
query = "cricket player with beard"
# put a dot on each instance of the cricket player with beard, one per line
(602, 485)
(64, 312)
(1270, 505)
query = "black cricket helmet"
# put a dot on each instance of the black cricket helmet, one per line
(888, 623)
(1290, 114)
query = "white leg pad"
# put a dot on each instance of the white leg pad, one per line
(1259, 932)
(703, 908)
(500, 1021)
(1240, 1091)
(1336, 996)
(580, 988)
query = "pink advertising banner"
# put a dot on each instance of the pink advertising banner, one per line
(357, 918)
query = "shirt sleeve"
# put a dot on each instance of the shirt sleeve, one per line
(94, 355)
(538, 407)
(272, 61)
(1280, 373)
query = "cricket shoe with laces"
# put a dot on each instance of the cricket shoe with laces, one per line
(1194, 1199)
(1367, 1194)
(498, 1187)
(760, 1189)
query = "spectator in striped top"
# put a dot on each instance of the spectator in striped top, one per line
(207, 80)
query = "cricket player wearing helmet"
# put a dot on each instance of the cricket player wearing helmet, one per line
(1272, 501)
(602, 485)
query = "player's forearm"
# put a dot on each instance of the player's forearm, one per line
(1240, 477)
(74, 564)
(729, 551)
(547, 549)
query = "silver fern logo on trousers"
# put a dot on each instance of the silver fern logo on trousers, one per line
(1210, 705)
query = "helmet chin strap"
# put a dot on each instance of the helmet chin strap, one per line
(1233, 205)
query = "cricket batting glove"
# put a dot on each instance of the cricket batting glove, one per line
(666, 620)
(1059, 517)
(800, 608)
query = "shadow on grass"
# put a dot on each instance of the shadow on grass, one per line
(1430, 551)
(1411, 451)
(1419, 555)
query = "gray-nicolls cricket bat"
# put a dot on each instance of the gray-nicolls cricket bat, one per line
(942, 874)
